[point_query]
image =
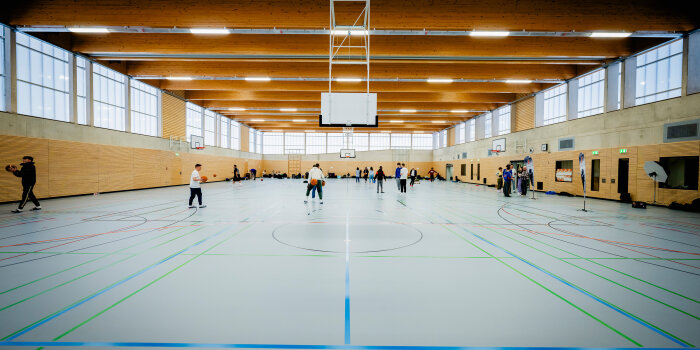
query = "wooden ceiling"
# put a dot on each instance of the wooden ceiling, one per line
(298, 63)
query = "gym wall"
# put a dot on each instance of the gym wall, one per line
(638, 130)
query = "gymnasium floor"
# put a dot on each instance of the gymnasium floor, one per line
(445, 265)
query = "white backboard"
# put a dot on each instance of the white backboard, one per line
(347, 153)
(499, 144)
(196, 141)
(348, 109)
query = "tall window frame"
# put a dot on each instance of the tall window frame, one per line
(273, 143)
(488, 125)
(294, 143)
(193, 120)
(145, 109)
(555, 103)
(235, 137)
(400, 141)
(591, 94)
(335, 141)
(360, 142)
(659, 73)
(504, 120)
(379, 141)
(224, 125)
(315, 143)
(108, 98)
(422, 141)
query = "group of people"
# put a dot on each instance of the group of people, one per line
(510, 177)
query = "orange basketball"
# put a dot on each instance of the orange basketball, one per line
(214, 175)
(323, 183)
(313, 182)
(204, 178)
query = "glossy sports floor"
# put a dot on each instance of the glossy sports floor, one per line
(445, 265)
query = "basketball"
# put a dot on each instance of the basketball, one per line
(323, 183)
(204, 178)
(313, 182)
(214, 175)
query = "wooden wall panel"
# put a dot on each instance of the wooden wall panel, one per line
(173, 114)
(524, 116)
(451, 136)
(12, 149)
(116, 170)
(72, 168)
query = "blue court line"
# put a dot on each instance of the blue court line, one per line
(632, 317)
(285, 346)
(113, 286)
(347, 279)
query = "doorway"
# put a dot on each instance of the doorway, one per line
(448, 172)
(595, 176)
(623, 167)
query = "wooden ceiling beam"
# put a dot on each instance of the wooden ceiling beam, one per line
(381, 96)
(429, 105)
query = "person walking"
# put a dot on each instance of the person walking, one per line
(196, 186)
(365, 174)
(371, 174)
(413, 175)
(315, 180)
(507, 179)
(357, 175)
(380, 177)
(404, 177)
(397, 175)
(28, 175)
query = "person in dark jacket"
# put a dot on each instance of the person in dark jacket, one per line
(28, 175)
(380, 177)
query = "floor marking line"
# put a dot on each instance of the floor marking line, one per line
(347, 278)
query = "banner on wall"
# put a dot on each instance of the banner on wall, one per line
(582, 167)
(530, 170)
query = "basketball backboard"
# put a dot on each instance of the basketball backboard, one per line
(348, 110)
(347, 153)
(196, 141)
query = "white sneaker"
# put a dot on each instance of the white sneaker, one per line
(17, 211)
(321, 202)
(37, 208)
(191, 206)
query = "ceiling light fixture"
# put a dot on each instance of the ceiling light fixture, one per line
(236, 109)
(407, 110)
(209, 31)
(257, 120)
(179, 78)
(257, 78)
(88, 30)
(438, 122)
(440, 80)
(609, 35)
(518, 81)
(288, 109)
(459, 111)
(489, 33)
(396, 121)
(349, 31)
(299, 120)
(348, 80)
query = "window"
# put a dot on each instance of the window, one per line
(42, 79)
(109, 105)
(659, 73)
(682, 172)
(81, 89)
(555, 105)
(258, 141)
(209, 128)
(315, 143)
(472, 129)
(379, 141)
(422, 141)
(335, 142)
(360, 142)
(273, 143)
(294, 143)
(224, 139)
(443, 138)
(591, 93)
(503, 120)
(436, 140)
(2, 68)
(145, 114)
(193, 117)
(564, 170)
(461, 132)
(401, 141)
(251, 139)
(235, 135)
(488, 121)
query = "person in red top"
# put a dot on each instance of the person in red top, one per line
(432, 173)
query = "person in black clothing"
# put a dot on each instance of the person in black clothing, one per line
(380, 177)
(28, 175)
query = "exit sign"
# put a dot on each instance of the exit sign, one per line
(623, 150)
(595, 153)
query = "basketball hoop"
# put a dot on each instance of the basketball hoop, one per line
(200, 148)
(495, 151)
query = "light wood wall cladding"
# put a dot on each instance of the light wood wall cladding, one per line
(451, 136)
(67, 168)
(640, 186)
(342, 167)
(523, 115)
(245, 138)
(173, 113)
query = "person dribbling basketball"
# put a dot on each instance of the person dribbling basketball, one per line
(196, 187)
(28, 175)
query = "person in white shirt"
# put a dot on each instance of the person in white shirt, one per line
(315, 174)
(404, 177)
(195, 186)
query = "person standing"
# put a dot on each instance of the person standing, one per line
(404, 177)
(28, 175)
(371, 174)
(432, 173)
(236, 174)
(380, 177)
(365, 174)
(397, 175)
(196, 186)
(252, 173)
(315, 180)
(413, 175)
(525, 181)
(507, 179)
(499, 181)
(519, 181)
(357, 175)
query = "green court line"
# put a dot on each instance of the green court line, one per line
(96, 270)
(545, 288)
(597, 296)
(149, 284)
(602, 265)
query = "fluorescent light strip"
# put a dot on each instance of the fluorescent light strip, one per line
(609, 35)
(288, 109)
(299, 120)
(348, 80)
(257, 120)
(440, 80)
(407, 110)
(236, 109)
(438, 122)
(351, 32)
(88, 30)
(459, 111)
(257, 79)
(489, 33)
(396, 121)
(518, 81)
(209, 31)
(179, 78)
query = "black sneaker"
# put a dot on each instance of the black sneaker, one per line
(203, 206)
(191, 206)
(37, 208)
